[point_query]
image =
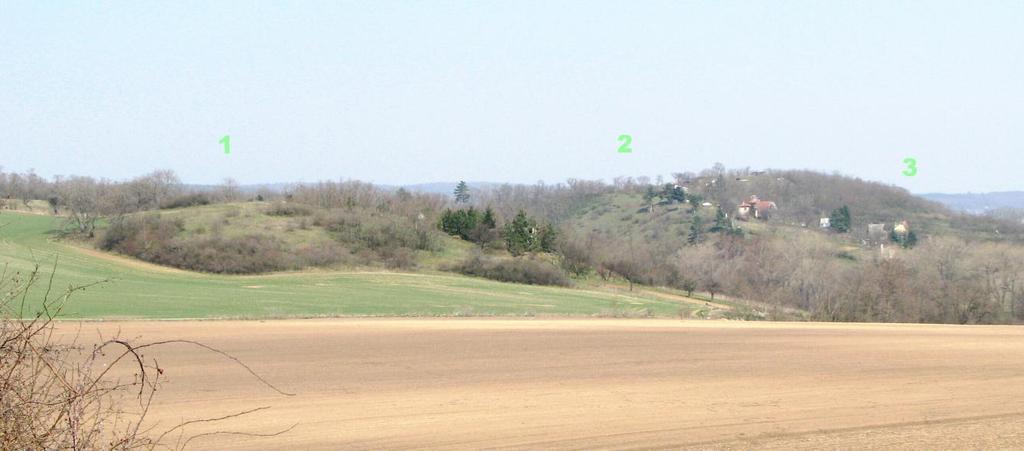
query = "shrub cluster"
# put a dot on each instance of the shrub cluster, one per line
(156, 239)
(392, 240)
(247, 254)
(141, 236)
(516, 270)
(185, 200)
(466, 223)
(522, 235)
(289, 209)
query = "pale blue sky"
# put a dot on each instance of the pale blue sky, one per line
(514, 91)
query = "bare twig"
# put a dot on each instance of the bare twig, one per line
(218, 351)
(54, 397)
(246, 434)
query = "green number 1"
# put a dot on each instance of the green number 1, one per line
(226, 141)
(911, 169)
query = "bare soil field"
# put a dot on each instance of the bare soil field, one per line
(585, 384)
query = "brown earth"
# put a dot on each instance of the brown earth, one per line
(586, 384)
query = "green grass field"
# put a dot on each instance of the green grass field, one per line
(139, 290)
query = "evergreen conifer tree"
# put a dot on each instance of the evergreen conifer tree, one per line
(696, 231)
(519, 234)
(721, 222)
(839, 220)
(461, 193)
(488, 219)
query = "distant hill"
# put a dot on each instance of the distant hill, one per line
(447, 187)
(247, 189)
(431, 188)
(979, 203)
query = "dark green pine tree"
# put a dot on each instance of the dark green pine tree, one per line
(459, 222)
(696, 231)
(488, 219)
(907, 240)
(461, 193)
(519, 234)
(839, 220)
(911, 240)
(468, 221)
(649, 197)
(673, 193)
(546, 238)
(721, 222)
(447, 222)
(695, 201)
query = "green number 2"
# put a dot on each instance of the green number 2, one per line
(911, 169)
(627, 140)
(226, 141)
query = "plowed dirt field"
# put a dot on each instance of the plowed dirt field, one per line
(586, 384)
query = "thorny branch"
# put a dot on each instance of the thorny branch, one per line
(53, 397)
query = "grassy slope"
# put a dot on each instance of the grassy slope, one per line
(139, 290)
(238, 219)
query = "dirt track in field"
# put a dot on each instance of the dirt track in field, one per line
(366, 384)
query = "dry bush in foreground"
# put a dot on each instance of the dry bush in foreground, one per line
(58, 395)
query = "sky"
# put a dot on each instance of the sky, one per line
(517, 91)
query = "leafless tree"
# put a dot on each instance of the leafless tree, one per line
(84, 198)
(229, 191)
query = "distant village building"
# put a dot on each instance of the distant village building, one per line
(825, 223)
(706, 204)
(760, 209)
(876, 233)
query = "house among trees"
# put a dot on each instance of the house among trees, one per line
(760, 209)
(903, 236)
(901, 227)
(825, 223)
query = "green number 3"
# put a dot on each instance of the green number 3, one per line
(627, 140)
(911, 169)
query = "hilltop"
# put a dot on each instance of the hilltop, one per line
(804, 197)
